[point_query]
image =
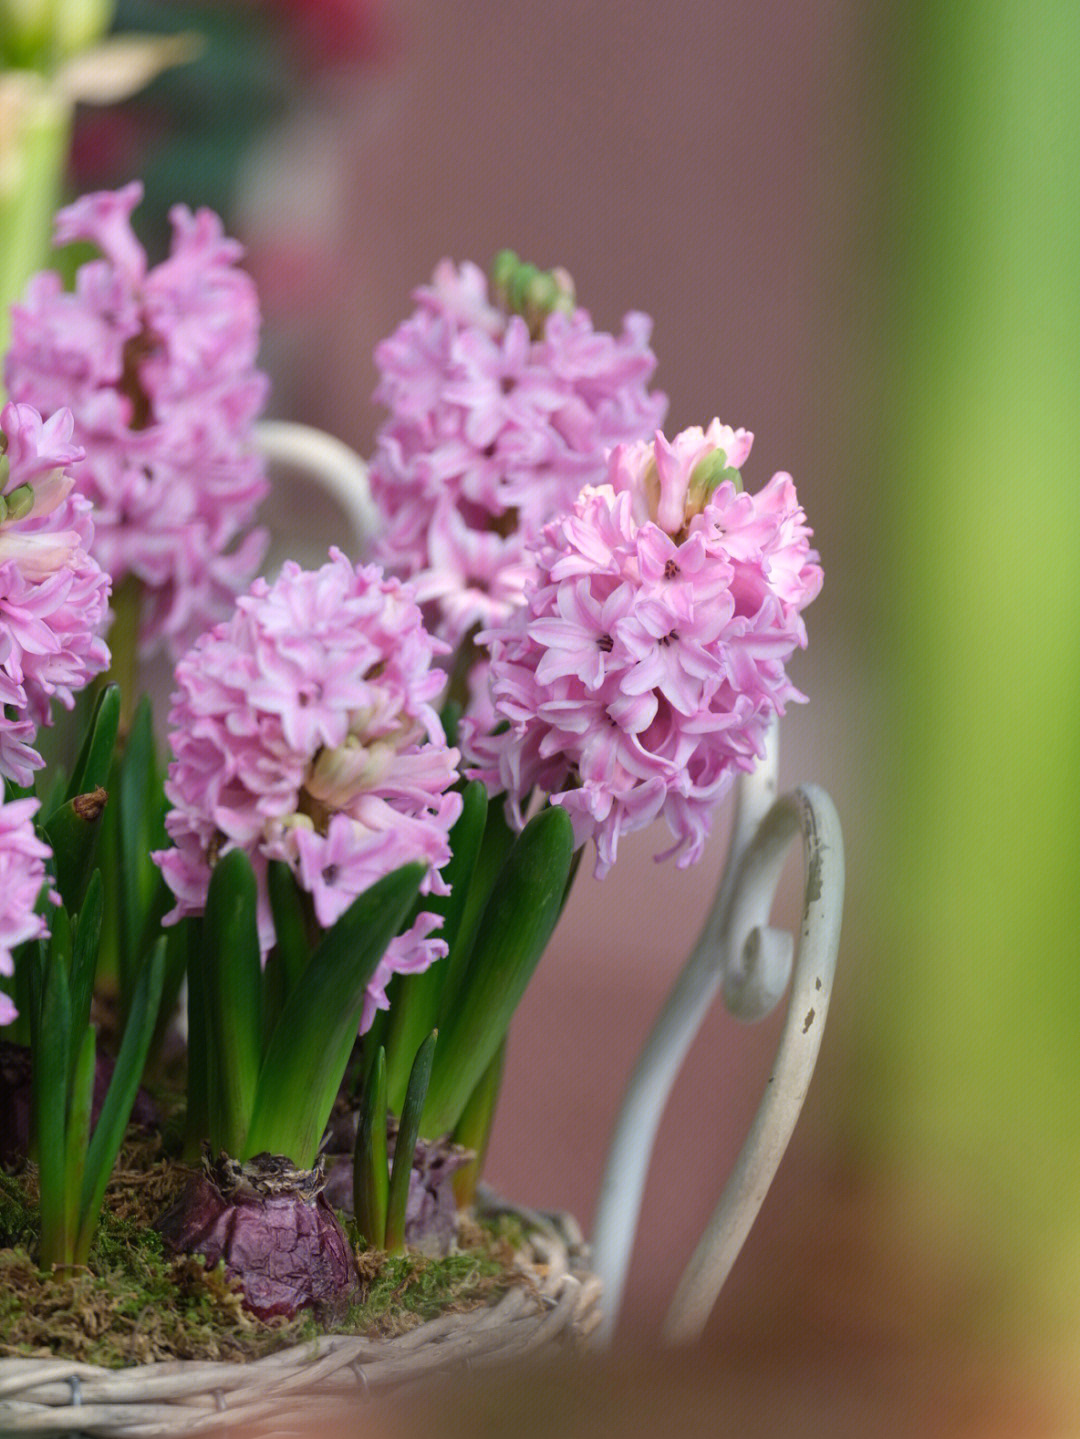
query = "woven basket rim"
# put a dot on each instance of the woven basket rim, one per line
(557, 1303)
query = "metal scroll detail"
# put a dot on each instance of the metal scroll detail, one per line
(752, 964)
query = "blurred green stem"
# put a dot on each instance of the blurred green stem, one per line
(126, 601)
(33, 152)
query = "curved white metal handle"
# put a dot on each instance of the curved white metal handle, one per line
(738, 950)
(809, 810)
(327, 461)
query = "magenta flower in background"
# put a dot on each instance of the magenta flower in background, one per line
(494, 428)
(22, 873)
(158, 367)
(53, 594)
(302, 730)
(642, 674)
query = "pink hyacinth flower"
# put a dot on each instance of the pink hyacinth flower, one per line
(157, 364)
(22, 874)
(642, 673)
(302, 730)
(493, 431)
(53, 595)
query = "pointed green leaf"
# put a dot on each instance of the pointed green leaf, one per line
(50, 1044)
(140, 829)
(84, 949)
(473, 1129)
(517, 924)
(495, 845)
(371, 1175)
(73, 832)
(95, 758)
(415, 1005)
(78, 1133)
(116, 1110)
(177, 949)
(200, 1078)
(373, 1038)
(232, 995)
(54, 788)
(311, 1043)
(405, 1145)
(286, 962)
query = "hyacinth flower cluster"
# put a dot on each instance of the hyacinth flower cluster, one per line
(503, 399)
(157, 365)
(642, 672)
(303, 731)
(53, 593)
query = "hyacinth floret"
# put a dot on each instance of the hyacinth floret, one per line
(642, 674)
(158, 367)
(495, 425)
(302, 730)
(53, 594)
(22, 874)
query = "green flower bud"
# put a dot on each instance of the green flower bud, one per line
(79, 23)
(19, 502)
(502, 272)
(709, 472)
(38, 33)
(526, 290)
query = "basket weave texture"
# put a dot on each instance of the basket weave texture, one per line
(557, 1304)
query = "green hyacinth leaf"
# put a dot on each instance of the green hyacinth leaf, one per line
(309, 1049)
(496, 843)
(371, 1175)
(116, 1110)
(84, 951)
(177, 954)
(50, 1043)
(77, 1139)
(200, 1078)
(414, 1007)
(517, 924)
(232, 997)
(73, 833)
(286, 962)
(405, 1145)
(140, 829)
(95, 757)
(473, 1129)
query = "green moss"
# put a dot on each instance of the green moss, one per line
(133, 1303)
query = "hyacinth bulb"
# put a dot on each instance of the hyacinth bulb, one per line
(271, 1226)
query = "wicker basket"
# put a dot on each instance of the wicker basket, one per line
(282, 1394)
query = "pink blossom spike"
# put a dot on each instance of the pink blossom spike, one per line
(157, 364)
(53, 595)
(303, 730)
(494, 427)
(649, 658)
(22, 874)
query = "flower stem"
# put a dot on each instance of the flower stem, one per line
(34, 157)
(126, 602)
